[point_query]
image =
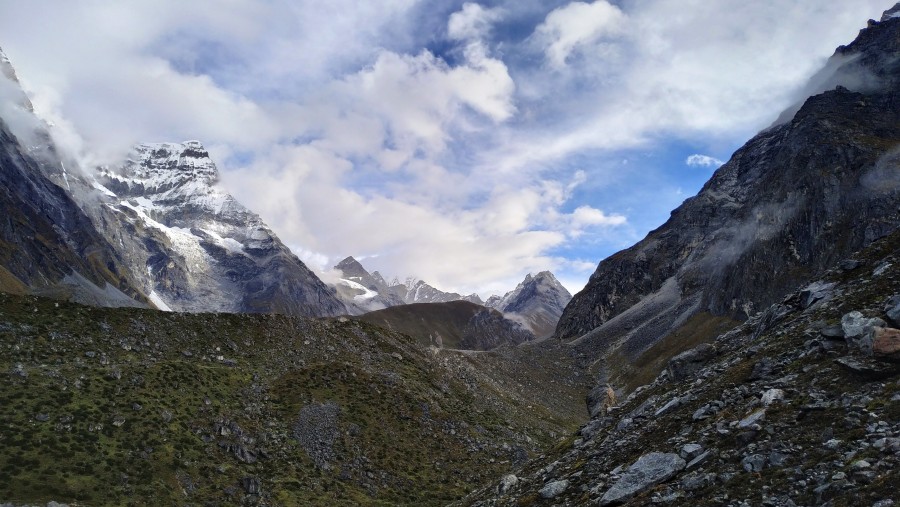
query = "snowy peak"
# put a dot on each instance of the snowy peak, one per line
(366, 292)
(893, 12)
(538, 302)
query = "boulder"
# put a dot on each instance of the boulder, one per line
(648, 471)
(815, 291)
(507, 483)
(554, 489)
(685, 364)
(859, 331)
(886, 344)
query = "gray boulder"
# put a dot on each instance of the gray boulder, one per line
(688, 362)
(554, 489)
(892, 310)
(648, 471)
(859, 331)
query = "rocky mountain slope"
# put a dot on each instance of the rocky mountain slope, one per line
(47, 244)
(537, 302)
(159, 224)
(799, 405)
(365, 292)
(793, 201)
(122, 406)
(455, 325)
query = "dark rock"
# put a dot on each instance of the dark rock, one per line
(835, 332)
(688, 362)
(867, 368)
(814, 292)
(762, 369)
(648, 471)
(849, 264)
(251, 485)
(754, 463)
(690, 451)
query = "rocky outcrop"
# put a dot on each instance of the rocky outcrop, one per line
(796, 199)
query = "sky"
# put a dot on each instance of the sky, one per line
(463, 143)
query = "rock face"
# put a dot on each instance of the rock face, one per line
(47, 244)
(796, 199)
(193, 245)
(537, 303)
(365, 292)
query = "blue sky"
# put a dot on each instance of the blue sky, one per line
(465, 143)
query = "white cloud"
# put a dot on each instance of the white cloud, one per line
(577, 26)
(698, 160)
(472, 22)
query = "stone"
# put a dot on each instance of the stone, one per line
(694, 463)
(685, 364)
(835, 332)
(892, 309)
(554, 489)
(771, 396)
(814, 292)
(762, 369)
(754, 463)
(648, 471)
(251, 485)
(849, 264)
(755, 417)
(867, 368)
(859, 330)
(690, 451)
(507, 483)
(886, 344)
(668, 407)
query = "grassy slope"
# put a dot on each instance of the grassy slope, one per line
(421, 320)
(110, 407)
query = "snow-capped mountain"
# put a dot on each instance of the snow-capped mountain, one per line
(160, 224)
(537, 303)
(196, 247)
(365, 292)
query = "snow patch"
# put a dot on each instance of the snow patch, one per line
(156, 300)
(367, 294)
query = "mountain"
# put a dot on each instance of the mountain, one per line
(454, 324)
(163, 225)
(195, 247)
(796, 199)
(537, 303)
(364, 292)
